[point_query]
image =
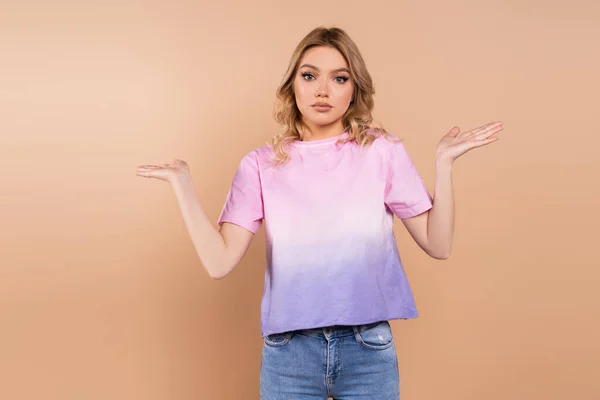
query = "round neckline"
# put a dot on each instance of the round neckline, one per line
(320, 142)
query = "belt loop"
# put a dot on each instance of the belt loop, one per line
(356, 333)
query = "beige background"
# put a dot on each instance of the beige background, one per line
(101, 293)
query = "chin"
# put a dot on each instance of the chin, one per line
(323, 120)
(324, 123)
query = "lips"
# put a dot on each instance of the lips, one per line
(322, 107)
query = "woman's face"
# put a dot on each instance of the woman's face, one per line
(322, 87)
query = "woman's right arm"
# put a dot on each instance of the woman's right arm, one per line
(220, 251)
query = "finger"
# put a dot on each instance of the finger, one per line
(488, 126)
(478, 130)
(181, 164)
(483, 142)
(158, 174)
(146, 174)
(484, 135)
(453, 132)
(149, 166)
(487, 132)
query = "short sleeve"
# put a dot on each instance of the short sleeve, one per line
(406, 194)
(244, 205)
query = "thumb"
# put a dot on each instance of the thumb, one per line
(454, 131)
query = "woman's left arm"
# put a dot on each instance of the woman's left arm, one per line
(434, 230)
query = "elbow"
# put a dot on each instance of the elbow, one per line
(440, 255)
(217, 276)
(220, 271)
(216, 272)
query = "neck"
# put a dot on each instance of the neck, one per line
(319, 132)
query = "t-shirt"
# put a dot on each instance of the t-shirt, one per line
(332, 257)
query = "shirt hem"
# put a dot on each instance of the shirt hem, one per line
(361, 322)
(415, 210)
(252, 226)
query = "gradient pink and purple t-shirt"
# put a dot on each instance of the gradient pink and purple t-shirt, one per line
(328, 213)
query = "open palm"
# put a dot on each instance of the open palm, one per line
(454, 144)
(166, 172)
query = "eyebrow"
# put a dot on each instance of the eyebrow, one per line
(317, 69)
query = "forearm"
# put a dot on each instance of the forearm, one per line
(207, 240)
(440, 224)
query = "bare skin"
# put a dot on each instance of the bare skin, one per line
(220, 249)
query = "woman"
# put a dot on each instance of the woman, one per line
(327, 189)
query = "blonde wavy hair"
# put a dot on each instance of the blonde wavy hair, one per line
(358, 119)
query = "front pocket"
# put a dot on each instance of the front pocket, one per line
(378, 337)
(278, 339)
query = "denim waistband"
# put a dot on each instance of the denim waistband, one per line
(337, 330)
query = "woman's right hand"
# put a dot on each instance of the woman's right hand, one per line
(221, 250)
(177, 169)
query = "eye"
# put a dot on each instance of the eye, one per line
(307, 76)
(341, 79)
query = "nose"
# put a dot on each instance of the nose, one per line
(322, 90)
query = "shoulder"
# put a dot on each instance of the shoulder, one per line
(387, 144)
(258, 158)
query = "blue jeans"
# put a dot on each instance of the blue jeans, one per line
(343, 362)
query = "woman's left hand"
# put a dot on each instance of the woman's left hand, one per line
(454, 144)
